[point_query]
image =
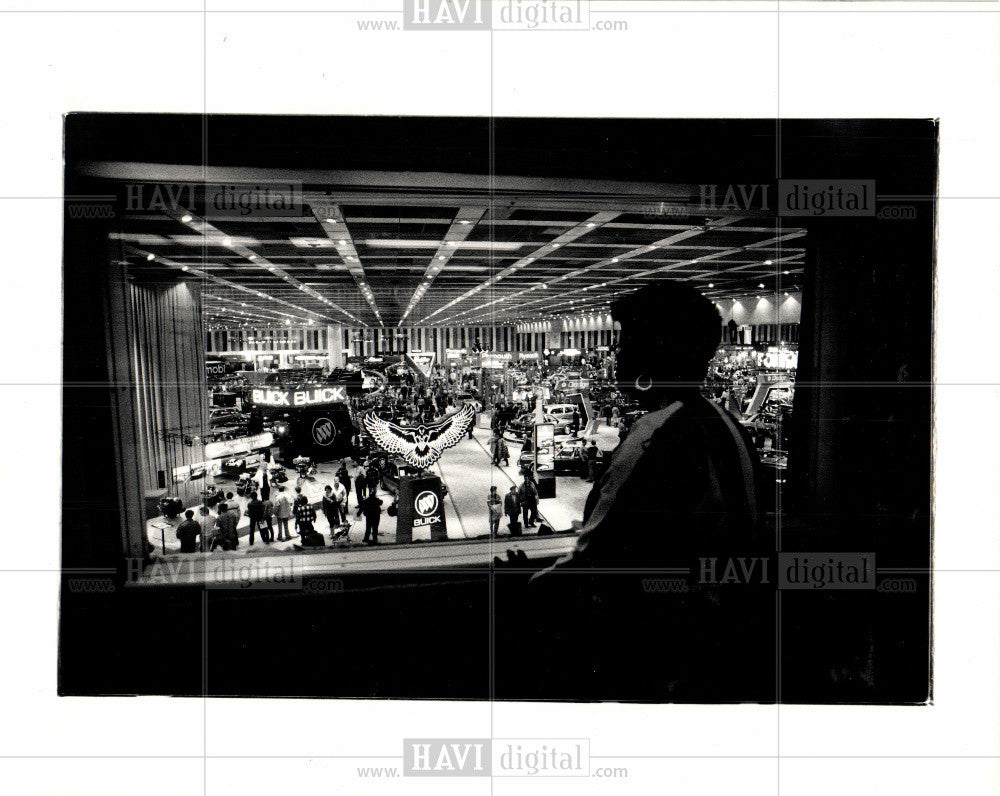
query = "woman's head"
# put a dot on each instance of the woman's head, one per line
(669, 332)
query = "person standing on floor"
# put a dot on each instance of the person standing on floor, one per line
(265, 483)
(372, 477)
(269, 517)
(360, 486)
(283, 513)
(299, 498)
(340, 496)
(305, 517)
(494, 507)
(592, 455)
(503, 453)
(226, 535)
(529, 502)
(344, 477)
(512, 508)
(371, 507)
(255, 513)
(331, 508)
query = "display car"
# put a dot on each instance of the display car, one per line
(211, 495)
(392, 467)
(563, 413)
(520, 427)
(466, 398)
(245, 484)
(570, 458)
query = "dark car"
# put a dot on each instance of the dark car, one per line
(520, 427)
(392, 467)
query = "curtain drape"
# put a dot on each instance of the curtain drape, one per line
(170, 394)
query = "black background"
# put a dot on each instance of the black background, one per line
(441, 635)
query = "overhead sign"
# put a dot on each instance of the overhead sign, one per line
(494, 361)
(215, 368)
(422, 362)
(312, 396)
(232, 447)
(781, 359)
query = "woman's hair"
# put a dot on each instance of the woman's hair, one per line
(669, 333)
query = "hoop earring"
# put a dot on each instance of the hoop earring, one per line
(648, 386)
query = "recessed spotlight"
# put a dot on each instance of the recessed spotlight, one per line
(227, 242)
(760, 285)
(591, 224)
(184, 268)
(342, 242)
(785, 273)
(464, 222)
(614, 259)
(187, 218)
(711, 284)
(768, 262)
(331, 221)
(555, 245)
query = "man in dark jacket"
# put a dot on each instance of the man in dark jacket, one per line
(591, 455)
(512, 508)
(371, 507)
(331, 508)
(226, 535)
(255, 513)
(188, 533)
(528, 495)
(345, 478)
(361, 486)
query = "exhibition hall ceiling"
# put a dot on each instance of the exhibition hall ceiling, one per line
(401, 249)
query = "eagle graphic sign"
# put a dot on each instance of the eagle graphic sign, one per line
(420, 445)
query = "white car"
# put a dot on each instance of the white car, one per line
(563, 413)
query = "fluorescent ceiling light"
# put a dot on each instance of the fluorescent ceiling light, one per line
(391, 243)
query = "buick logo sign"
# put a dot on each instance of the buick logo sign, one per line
(324, 431)
(426, 503)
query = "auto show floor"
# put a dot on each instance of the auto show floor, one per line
(465, 470)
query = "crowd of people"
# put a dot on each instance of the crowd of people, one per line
(290, 511)
(406, 400)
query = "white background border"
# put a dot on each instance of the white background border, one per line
(687, 60)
